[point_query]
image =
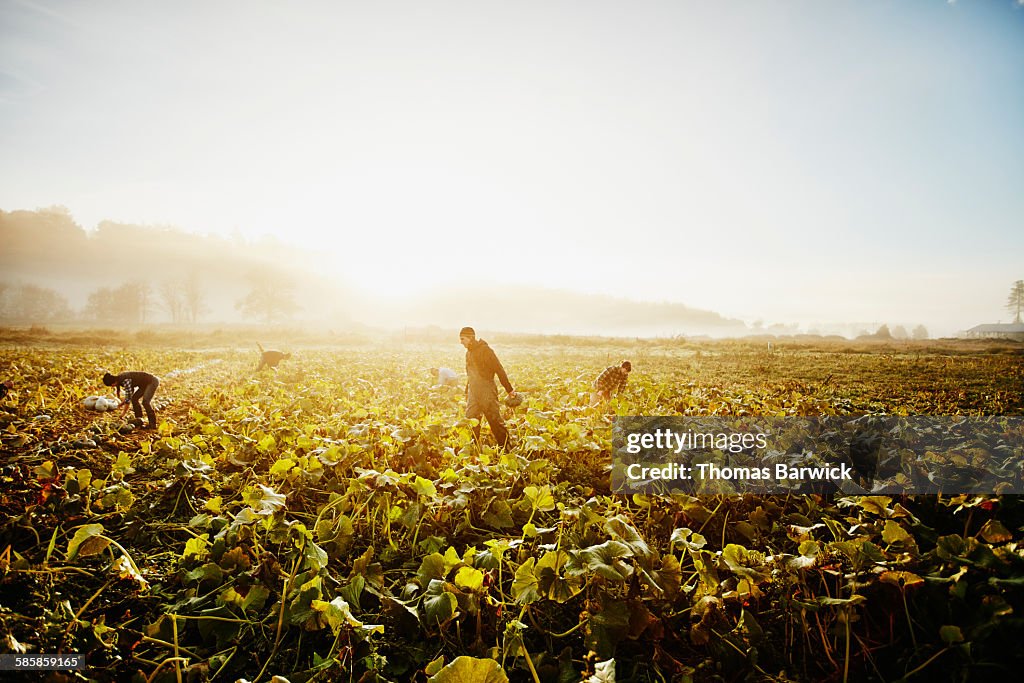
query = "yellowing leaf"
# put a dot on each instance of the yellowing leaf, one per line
(901, 578)
(336, 613)
(282, 467)
(470, 670)
(525, 586)
(434, 666)
(995, 532)
(894, 533)
(540, 498)
(424, 487)
(87, 541)
(270, 499)
(195, 547)
(123, 465)
(46, 471)
(469, 578)
(876, 505)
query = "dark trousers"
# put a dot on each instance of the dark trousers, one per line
(145, 394)
(482, 401)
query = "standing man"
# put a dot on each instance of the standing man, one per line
(612, 380)
(481, 393)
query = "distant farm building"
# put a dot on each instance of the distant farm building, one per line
(998, 331)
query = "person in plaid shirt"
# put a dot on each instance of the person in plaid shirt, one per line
(138, 386)
(613, 379)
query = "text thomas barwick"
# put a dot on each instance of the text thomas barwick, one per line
(706, 470)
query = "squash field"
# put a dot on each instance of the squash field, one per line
(333, 520)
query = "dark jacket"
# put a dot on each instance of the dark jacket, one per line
(130, 381)
(482, 365)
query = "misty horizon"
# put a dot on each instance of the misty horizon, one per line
(47, 249)
(805, 165)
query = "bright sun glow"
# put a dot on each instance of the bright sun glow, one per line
(799, 163)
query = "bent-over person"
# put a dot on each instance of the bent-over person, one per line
(446, 377)
(481, 393)
(269, 358)
(139, 387)
(611, 380)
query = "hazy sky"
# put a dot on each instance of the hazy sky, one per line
(791, 161)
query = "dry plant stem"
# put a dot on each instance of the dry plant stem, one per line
(94, 596)
(54, 570)
(124, 552)
(280, 615)
(711, 516)
(157, 641)
(825, 642)
(926, 662)
(846, 654)
(175, 660)
(529, 662)
(906, 610)
(222, 666)
(84, 607)
(229, 620)
(867, 652)
(736, 647)
(177, 654)
(298, 651)
(35, 533)
(570, 631)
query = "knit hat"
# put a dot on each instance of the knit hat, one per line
(467, 332)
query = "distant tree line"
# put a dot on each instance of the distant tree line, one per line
(33, 304)
(183, 299)
(48, 261)
(898, 333)
(270, 299)
(132, 303)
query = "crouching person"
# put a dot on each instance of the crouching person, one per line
(139, 387)
(612, 380)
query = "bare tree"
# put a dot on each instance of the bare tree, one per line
(144, 296)
(128, 304)
(194, 297)
(100, 305)
(173, 300)
(920, 332)
(270, 297)
(1015, 302)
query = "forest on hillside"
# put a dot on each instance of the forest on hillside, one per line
(56, 271)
